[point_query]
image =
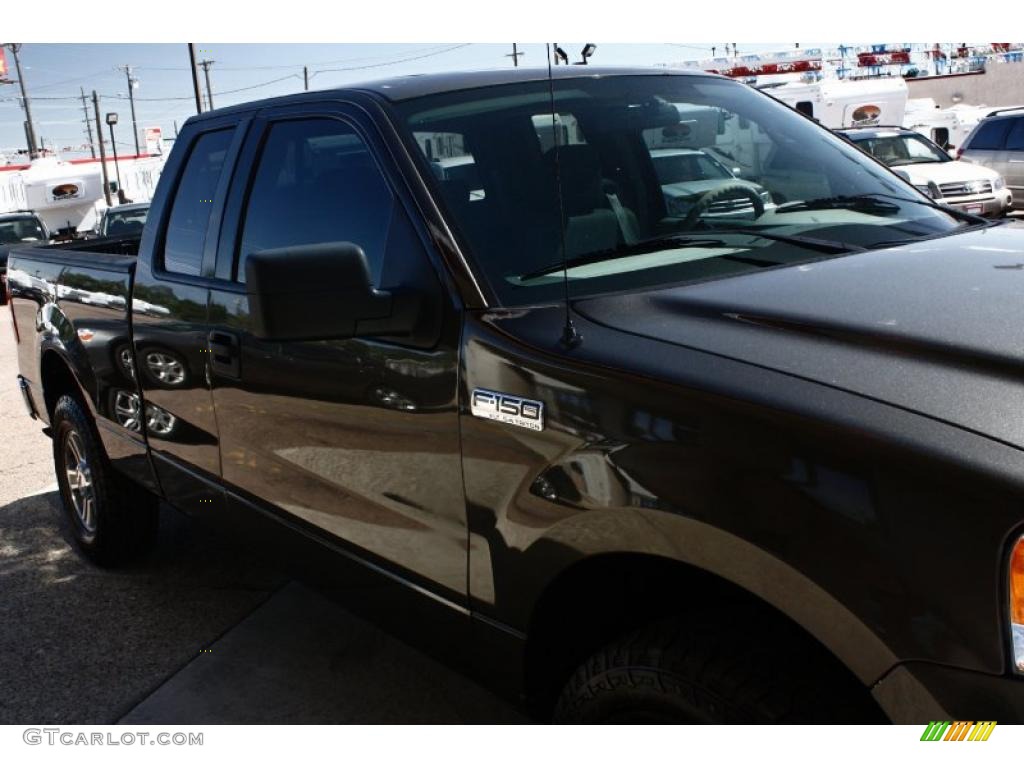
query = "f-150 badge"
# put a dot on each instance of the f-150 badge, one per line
(509, 409)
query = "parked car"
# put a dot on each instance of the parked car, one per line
(121, 220)
(17, 228)
(624, 466)
(965, 186)
(997, 142)
(686, 175)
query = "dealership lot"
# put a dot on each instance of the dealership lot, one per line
(199, 632)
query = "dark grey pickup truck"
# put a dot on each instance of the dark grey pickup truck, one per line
(440, 342)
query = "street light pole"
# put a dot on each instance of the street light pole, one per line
(112, 121)
(30, 131)
(132, 82)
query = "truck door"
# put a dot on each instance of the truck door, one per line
(354, 440)
(169, 315)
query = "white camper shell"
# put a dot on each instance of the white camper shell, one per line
(846, 103)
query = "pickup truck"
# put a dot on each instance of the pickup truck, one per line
(625, 466)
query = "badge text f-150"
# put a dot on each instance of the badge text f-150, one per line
(508, 409)
(775, 477)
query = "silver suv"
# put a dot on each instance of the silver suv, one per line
(997, 142)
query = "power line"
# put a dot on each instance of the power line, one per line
(251, 87)
(432, 50)
(396, 61)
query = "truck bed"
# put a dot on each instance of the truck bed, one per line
(71, 303)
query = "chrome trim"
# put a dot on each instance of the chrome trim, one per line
(26, 395)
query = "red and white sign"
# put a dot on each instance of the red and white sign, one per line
(3, 64)
(153, 139)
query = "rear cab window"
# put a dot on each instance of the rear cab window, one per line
(185, 237)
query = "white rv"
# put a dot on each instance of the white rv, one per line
(948, 127)
(846, 103)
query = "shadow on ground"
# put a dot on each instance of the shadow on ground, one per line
(80, 644)
(201, 631)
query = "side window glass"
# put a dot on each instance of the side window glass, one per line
(990, 135)
(193, 203)
(1015, 138)
(316, 182)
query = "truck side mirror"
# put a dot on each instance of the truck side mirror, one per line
(321, 291)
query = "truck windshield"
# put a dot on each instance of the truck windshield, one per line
(660, 160)
(23, 230)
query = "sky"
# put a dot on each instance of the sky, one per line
(54, 73)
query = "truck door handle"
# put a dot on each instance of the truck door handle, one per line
(225, 354)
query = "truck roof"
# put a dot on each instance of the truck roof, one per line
(12, 215)
(397, 89)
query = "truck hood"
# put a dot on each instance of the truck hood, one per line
(947, 173)
(935, 327)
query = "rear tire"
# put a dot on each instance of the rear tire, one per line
(112, 519)
(697, 671)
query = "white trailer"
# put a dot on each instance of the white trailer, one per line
(846, 103)
(948, 127)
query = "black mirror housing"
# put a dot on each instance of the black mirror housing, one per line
(315, 292)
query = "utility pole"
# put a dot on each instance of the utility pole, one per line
(515, 55)
(88, 122)
(132, 82)
(305, 77)
(195, 77)
(30, 131)
(206, 64)
(103, 152)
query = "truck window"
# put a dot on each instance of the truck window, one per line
(990, 135)
(190, 212)
(316, 182)
(1015, 139)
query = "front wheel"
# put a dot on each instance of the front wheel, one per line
(704, 671)
(112, 520)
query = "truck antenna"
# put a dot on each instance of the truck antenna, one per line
(570, 336)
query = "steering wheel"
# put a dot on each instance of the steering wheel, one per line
(712, 196)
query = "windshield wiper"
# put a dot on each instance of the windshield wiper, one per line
(841, 201)
(871, 200)
(692, 241)
(814, 243)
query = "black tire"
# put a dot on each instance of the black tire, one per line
(121, 522)
(697, 671)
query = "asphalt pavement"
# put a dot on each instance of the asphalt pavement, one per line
(201, 631)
